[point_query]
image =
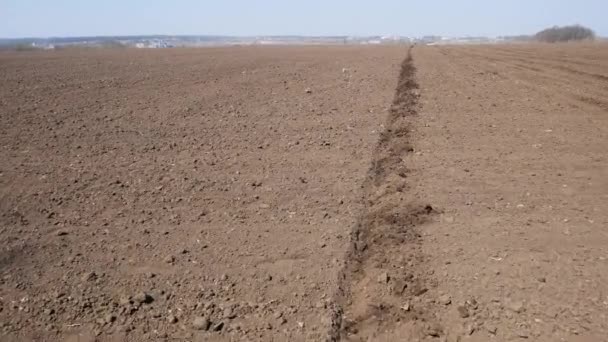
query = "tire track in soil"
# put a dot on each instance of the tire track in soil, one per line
(383, 273)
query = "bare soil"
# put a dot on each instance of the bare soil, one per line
(305, 194)
(512, 145)
(224, 183)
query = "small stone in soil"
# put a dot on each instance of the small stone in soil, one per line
(515, 306)
(383, 278)
(143, 298)
(109, 318)
(201, 323)
(419, 290)
(472, 303)
(491, 329)
(89, 276)
(125, 328)
(445, 300)
(218, 327)
(169, 259)
(522, 333)
(463, 311)
(229, 313)
(433, 330)
(398, 287)
(124, 300)
(469, 329)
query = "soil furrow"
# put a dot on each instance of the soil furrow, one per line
(382, 268)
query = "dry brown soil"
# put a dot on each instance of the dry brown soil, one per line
(305, 194)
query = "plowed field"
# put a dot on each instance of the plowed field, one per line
(305, 194)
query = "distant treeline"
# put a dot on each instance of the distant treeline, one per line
(558, 34)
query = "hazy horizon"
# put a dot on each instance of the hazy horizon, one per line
(71, 18)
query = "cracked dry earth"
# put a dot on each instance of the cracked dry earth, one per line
(305, 194)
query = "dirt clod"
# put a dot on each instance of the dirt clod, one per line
(201, 323)
(463, 312)
(169, 259)
(89, 276)
(514, 305)
(383, 278)
(218, 326)
(444, 300)
(143, 298)
(109, 318)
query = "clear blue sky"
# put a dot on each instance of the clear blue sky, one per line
(44, 18)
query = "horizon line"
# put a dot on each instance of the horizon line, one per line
(261, 35)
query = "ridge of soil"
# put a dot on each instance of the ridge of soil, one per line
(383, 266)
